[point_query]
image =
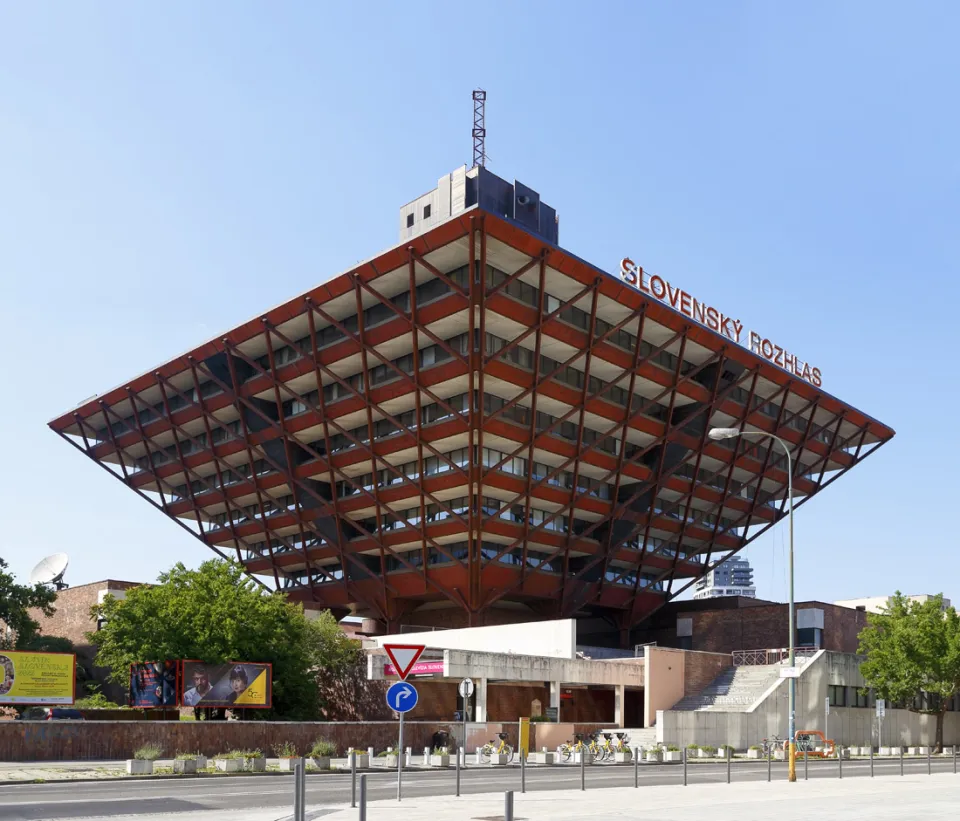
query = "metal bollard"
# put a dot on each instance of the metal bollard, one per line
(508, 805)
(583, 770)
(840, 762)
(523, 771)
(636, 765)
(769, 764)
(297, 778)
(871, 761)
(363, 798)
(458, 771)
(353, 778)
(806, 765)
(954, 759)
(901, 761)
(929, 770)
(729, 759)
(684, 766)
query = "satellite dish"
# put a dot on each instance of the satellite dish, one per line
(50, 570)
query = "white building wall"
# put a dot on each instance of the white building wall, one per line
(554, 639)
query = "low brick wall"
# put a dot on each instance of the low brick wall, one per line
(101, 740)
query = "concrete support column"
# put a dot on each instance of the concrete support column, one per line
(481, 701)
(619, 704)
(555, 697)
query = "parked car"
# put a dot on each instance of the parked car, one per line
(50, 714)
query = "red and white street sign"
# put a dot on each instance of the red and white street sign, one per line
(404, 656)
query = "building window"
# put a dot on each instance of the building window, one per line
(409, 220)
(837, 694)
(859, 697)
(426, 211)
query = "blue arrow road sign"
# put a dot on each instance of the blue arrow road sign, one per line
(402, 697)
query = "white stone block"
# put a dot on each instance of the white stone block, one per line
(137, 767)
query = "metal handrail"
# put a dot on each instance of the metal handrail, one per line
(777, 655)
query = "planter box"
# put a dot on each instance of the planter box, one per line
(889, 751)
(542, 758)
(255, 765)
(201, 762)
(439, 760)
(913, 751)
(137, 767)
(703, 754)
(391, 762)
(288, 765)
(185, 766)
(623, 758)
(923, 750)
(673, 755)
(321, 762)
(363, 761)
(653, 755)
(865, 750)
(228, 765)
(499, 759)
(779, 755)
(843, 752)
(754, 753)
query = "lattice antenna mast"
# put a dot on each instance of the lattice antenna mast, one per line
(479, 127)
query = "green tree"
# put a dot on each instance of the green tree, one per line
(217, 614)
(912, 654)
(16, 600)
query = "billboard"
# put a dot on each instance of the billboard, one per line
(232, 684)
(153, 684)
(37, 678)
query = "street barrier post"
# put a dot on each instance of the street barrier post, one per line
(508, 805)
(636, 765)
(929, 769)
(523, 771)
(353, 778)
(806, 765)
(458, 773)
(901, 760)
(954, 759)
(839, 762)
(363, 798)
(769, 764)
(684, 766)
(297, 777)
(583, 769)
(729, 759)
(303, 793)
(871, 761)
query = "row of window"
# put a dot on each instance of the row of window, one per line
(845, 696)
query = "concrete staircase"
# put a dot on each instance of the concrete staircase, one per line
(735, 690)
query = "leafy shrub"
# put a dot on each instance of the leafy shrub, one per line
(709, 750)
(148, 752)
(539, 719)
(441, 751)
(692, 747)
(725, 747)
(187, 756)
(96, 701)
(673, 748)
(754, 747)
(285, 750)
(323, 749)
(385, 753)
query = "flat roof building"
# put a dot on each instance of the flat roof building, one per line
(877, 604)
(477, 427)
(732, 578)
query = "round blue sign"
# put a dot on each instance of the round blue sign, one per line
(402, 697)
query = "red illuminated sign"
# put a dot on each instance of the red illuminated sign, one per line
(661, 290)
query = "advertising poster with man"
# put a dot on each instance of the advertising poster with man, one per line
(233, 684)
(37, 678)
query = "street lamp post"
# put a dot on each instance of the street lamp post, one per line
(731, 433)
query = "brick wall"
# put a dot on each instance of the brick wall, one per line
(72, 617)
(700, 669)
(105, 740)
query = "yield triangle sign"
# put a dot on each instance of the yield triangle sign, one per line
(404, 656)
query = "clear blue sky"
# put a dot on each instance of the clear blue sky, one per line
(169, 171)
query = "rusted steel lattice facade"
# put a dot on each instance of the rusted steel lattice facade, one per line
(475, 426)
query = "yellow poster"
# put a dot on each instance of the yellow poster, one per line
(37, 678)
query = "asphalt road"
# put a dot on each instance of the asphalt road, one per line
(106, 799)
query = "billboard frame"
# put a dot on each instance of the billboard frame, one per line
(181, 678)
(73, 694)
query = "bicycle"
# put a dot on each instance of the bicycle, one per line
(566, 750)
(609, 748)
(771, 745)
(492, 748)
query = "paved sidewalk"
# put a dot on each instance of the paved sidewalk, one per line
(930, 798)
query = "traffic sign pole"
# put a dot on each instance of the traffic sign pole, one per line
(400, 755)
(401, 698)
